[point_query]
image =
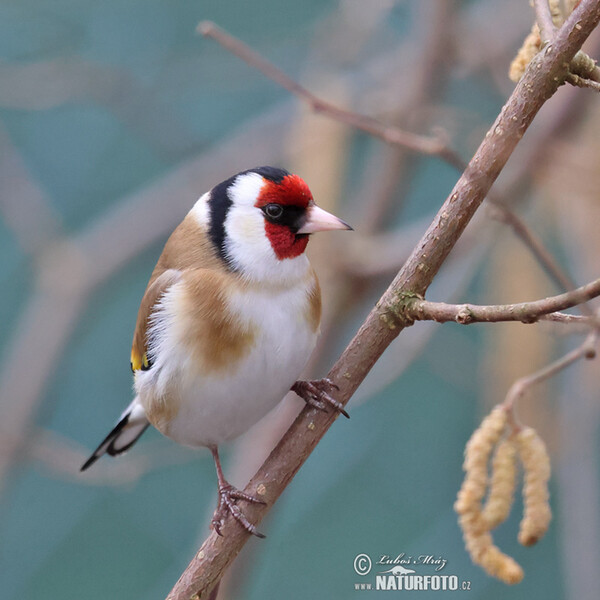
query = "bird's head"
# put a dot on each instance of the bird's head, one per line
(260, 221)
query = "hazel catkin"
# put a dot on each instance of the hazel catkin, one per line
(536, 466)
(502, 484)
(502, 566)
(477, 452)
(474, 525)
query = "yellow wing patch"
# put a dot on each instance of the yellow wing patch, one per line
(156, 288)
(139, 362)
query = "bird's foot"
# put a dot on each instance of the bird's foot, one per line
(227, 497)
(316, 394)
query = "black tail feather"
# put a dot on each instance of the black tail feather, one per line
(108, 444)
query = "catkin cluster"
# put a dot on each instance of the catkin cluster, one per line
(477, 518)
(532, 44)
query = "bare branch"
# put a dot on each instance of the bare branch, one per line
(585, 66)
(584, 72)
(533, 243)
(393, 168)
(525, 312)
(540, 81)
(46, 84)
(23, 205)
(586, 350)
(47, 322)
(574, 79)
(544, 19)
(583, 322)
(390, 134)
(62, 458)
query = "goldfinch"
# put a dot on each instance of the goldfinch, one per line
(228, 321)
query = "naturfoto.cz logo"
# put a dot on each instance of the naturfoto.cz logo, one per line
(399, 574)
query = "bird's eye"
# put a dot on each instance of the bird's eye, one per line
(273, 211)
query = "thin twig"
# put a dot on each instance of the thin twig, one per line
(540, 81)
(391, 135)
(62, 458)
(567, 319)
(24, 207)
(395, 168)
(585, 67)
(581, 82)
(530, 240)
(584, 72)
(544, 20)
(525, 312)
(586, 350)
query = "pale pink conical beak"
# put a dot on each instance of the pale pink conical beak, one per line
(320, 220)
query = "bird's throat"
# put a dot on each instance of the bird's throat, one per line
(284, 242)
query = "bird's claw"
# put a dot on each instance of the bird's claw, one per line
(227, 496)
(315, 393)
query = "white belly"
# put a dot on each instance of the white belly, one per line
(209, 408)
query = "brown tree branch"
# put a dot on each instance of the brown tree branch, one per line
(542, 78)
(543, 16)
(584, 68)
(533, 243)
(583, 322)
(584, 72)
(62, 458)
(518, 389)
(391, 135)
(23, 205)
(582, 82)
(525, 312)
(393, 168)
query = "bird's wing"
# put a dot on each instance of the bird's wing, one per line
(154, 292)
(188, 248)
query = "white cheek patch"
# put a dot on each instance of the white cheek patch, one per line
(246, 229)
(245, 224)
(201, 211)
(247, 245)
(246, 236)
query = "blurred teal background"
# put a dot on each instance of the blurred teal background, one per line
(115, 117)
